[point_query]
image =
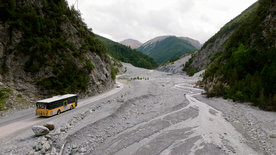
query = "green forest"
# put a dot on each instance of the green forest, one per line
(246, 71)
(167, 49)
(46, 45)
(128, 55)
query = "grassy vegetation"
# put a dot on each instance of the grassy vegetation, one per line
(46, 43)
(167, 49)
(128, 55)
(248, 72)
(114, 72)
(4, 94)
(189, 70)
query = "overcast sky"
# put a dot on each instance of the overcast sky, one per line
(145, 19)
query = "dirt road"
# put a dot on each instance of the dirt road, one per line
(155, 113)
(27, 118)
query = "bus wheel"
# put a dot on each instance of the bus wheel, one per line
(71, 107)
(58, 112)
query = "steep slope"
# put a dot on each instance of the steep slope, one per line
(128, 55)
(46, 49)
(195, 43)
(165, 48)
(175, 65)
(248, 56)
(215, 44)
(131, 43)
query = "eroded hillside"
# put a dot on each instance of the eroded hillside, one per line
(46, 49)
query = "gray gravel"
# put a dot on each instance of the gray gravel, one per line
(160, 113)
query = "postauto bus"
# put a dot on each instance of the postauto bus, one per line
(56, 105)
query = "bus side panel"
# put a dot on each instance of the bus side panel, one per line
(55, 111)
(42, 112)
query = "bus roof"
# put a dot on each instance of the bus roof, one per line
(56, 98)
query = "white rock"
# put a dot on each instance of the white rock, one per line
(40, 130)
(82, 150)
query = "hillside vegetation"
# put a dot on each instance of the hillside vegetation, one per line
(168, 48)
(215, 45)
(246, 70)
(47, 49)
(128, 55)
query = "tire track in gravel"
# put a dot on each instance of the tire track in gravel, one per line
(119, 126)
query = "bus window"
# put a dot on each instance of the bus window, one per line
(65, 102)
(41, 105)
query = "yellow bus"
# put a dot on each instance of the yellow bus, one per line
(55, 105)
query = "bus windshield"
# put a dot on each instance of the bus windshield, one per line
(41, 105)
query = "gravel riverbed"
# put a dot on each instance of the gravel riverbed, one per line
(152, 113)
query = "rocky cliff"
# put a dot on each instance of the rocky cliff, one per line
(175, 66)
(46, 49)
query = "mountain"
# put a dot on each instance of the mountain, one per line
(134, 44)
(195, 43)
(243, 65)
(46, 49)
(164, 48)
(207, 53)
(128, 55)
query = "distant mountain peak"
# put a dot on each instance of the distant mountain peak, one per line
(164, 48)
(132, 43)
(156, 39)
(193, 42)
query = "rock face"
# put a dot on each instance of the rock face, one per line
(131, 43)
(215, 44)
(201, 59)
(40, 130)
(175, 67)
(42, 55)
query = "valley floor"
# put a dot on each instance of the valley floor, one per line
(160, 113)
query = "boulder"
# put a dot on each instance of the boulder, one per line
(40, 130)
(50, 126)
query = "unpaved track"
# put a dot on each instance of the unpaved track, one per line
(164, 115)
(10, 127)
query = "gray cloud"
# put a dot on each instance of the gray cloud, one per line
(146, 19)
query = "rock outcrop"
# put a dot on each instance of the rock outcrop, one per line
(175, 67)
(215, 44)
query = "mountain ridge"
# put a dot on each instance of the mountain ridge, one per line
(132, 43)
(164, 48)
(128, 55)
